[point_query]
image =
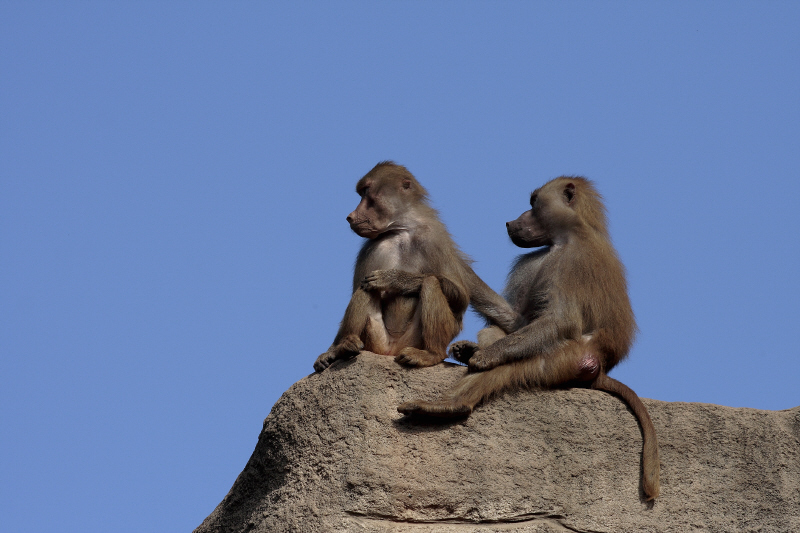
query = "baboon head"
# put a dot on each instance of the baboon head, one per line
(559, 208)
(389, 193)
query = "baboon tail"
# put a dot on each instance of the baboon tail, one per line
(650, 463)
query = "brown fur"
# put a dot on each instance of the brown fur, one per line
(411, 283)
(579, 323)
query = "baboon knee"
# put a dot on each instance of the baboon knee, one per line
(439, 325)
(490, 335)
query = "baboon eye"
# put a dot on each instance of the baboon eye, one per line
(533, 199)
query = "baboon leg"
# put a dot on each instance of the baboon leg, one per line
(457, 402)
(537, 372)
(375, 337)
(348, 341)
(489, 335)
(355, 316)
(438, 323)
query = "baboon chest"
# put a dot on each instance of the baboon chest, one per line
(397, 253)
(529, 287)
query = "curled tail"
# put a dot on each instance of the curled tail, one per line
(650, 463)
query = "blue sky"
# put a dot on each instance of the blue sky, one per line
(174, 181)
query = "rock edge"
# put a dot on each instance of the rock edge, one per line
(334, 455)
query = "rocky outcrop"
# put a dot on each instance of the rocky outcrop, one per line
(335, 455)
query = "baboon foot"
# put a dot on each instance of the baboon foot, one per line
(462, 351)
(416, 357)
(349, 345)
(324, 361)
(437, 409)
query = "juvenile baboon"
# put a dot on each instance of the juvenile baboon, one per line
(411, 283)
(573, 297)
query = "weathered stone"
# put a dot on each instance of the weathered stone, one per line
(334, 455)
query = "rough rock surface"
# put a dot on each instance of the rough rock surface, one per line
(335, 455)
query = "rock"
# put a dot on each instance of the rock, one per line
(335, 455)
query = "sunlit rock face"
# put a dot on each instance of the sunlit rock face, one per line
(335, 455)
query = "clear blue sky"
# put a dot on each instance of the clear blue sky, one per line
(174, 181)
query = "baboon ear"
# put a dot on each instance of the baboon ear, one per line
(406, 183)
(569, 193)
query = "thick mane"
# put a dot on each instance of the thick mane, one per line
(589, 203)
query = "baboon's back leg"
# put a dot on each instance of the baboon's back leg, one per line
(462, 398)
(348, 340)
(438, 325)
(541, 371)
(358, 311)
(489, 335)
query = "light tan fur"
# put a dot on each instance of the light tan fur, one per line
(579, 323)
(411, 283)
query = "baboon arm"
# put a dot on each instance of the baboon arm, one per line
(393, 281)
(540, 337)
(492, 306)
(402, 282)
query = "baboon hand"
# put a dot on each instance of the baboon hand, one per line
(462, 351)
(385, 280)
(483, 360)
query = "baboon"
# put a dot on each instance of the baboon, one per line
(411, 283)
(573, 297)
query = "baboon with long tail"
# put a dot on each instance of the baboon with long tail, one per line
(579, 323)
